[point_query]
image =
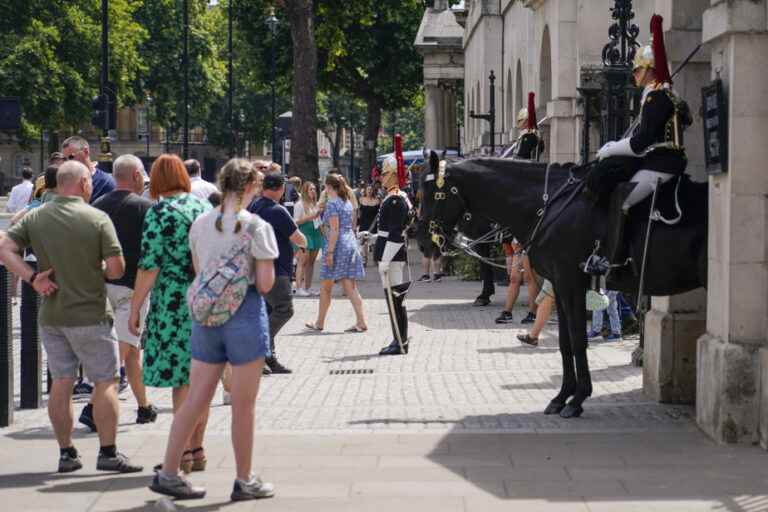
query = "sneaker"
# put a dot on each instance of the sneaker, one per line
(82, 388)
(424, 279)
(251, 490)
(438, 277)
(176, 486)
(266, 370)
(613, 337)
(313, 292)
(123, 381)
(226, 398)
(505, 318)
(594, 335)
(86, 418)
(481, 301)
(68, 464)
(301, 292)
(277, 368)
(119, 463)
(146, 414)
(529, 318)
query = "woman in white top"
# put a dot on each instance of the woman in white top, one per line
(243, 341)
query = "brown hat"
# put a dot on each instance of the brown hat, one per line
(56, 155)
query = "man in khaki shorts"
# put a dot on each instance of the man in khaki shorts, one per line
(76, 248)
(126, 208)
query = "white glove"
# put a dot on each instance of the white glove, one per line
(604, 151)
(384, 266)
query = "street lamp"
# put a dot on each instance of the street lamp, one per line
(490, 116)
(148, 126)
(185, 65)
(272, 23)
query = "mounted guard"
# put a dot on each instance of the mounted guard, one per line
(529, 144)
(656, 137)
(391, 251)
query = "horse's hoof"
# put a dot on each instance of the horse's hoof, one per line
(571, 411)
(554, 408)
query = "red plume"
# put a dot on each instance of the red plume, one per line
(659, 51)
(531, 111)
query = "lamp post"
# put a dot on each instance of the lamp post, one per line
(148, 127)
(490, 116)
(231, 78)
(272, 23)
(185, 65)
(105, 153)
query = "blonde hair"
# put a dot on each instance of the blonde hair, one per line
(233, 178)
(305, 194)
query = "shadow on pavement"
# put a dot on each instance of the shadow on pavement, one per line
(149, 506)
(17, 480)
(102, 483)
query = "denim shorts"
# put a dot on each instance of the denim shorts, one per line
(243, 339)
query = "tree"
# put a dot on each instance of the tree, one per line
(369, 53)
(337, 112)
(304, 124)
(51, 59)
(409, 122)
(162, 53)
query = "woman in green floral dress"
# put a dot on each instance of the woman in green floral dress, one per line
(165, 269)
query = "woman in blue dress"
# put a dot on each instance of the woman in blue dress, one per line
(342, 261)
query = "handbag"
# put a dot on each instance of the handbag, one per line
(219, 289)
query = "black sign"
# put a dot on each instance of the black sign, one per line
(10, 114)
(715, 113)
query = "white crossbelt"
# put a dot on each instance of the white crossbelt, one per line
(288, 203)
(382, 233)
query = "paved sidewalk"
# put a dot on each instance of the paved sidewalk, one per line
(454, 426)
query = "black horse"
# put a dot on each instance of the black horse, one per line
(511, 193)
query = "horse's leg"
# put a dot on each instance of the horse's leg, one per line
(577, 321)
(568, 387)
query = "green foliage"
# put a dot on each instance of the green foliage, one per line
(336, 112)
(51, 58)
(409, 122)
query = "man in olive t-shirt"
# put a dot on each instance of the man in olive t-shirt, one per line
(76, 248)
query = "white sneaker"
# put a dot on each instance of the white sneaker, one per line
(301, 292)
(314, 292)
(226, 398)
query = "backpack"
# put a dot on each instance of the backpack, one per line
(219, 289)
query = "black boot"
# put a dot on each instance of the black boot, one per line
(399, 321)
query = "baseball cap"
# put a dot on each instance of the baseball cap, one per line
(273, 181)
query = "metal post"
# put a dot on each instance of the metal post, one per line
(185, 64)
(105, 62)
(6, 349)
(273, 75)
(31, 355)
(352, 156)
(492, 112)
(231, 78)
(149, 127)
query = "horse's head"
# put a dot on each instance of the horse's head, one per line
(442, 206)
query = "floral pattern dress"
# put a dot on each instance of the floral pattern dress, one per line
(347, 260)
(165, 246)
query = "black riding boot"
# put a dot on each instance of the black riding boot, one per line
(398, 320)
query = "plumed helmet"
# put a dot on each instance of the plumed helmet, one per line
(522, 115)
(389, 165)
(532, 125)
(654, 55)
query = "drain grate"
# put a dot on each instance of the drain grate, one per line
(353, 371)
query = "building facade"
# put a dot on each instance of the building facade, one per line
(708, 346)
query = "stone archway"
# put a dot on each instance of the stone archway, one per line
(518, 89)
(545, 69)
(509, 106)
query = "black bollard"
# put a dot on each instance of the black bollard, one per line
(6, 349)
(31, 354)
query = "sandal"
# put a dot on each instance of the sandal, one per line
(312, 326)
(356, 328)
(528, 340)
(185, 465)
(198, 463)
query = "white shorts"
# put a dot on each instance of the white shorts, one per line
(120, 299)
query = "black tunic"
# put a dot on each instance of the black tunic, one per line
(529, 146)
(393, 219)
(657, 127)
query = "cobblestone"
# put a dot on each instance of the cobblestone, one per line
(464, 374)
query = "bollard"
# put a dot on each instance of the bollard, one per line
(31, 354)
(6, 349)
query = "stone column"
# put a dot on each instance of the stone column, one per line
(432, 94)
(731, 403)
(674, 324)
(562, 131)
(451, 120)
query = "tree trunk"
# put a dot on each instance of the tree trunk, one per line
(372, 127)
(304, 123)
(337, 146)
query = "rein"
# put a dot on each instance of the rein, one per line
(546, 199)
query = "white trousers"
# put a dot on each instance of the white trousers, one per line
(396, 274)
(646, 183)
